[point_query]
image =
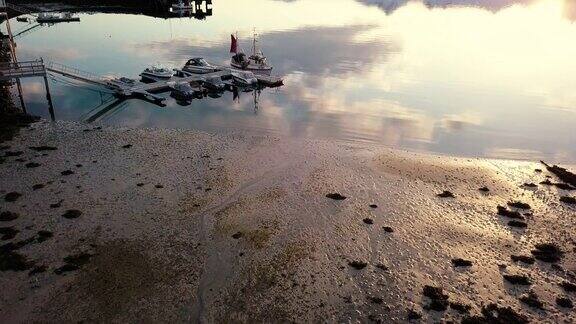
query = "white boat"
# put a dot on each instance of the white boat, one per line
(199, 65)
(52, 17)
(256, 62)
(181, 5)
(157, 72)
(244, 78)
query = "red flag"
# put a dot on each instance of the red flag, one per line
(234, 44)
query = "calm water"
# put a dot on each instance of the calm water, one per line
(493, 78)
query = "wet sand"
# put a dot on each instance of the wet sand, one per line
(122, 225)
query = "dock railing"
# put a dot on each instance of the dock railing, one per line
(75, 73)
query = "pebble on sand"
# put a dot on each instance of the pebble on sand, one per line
(373, 206)
(7, 233)
(237, 235)
(43, 148)
(388, 229)
(127, 146)
(31, 165)
(37, 186)
(67, 172)
(368, 221)
(503, 211)
(484, 189)
(532, 300)
(335, 196)
(523, 258)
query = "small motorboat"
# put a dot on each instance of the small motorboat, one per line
(186, 90)
(157, 72)
(52, 17)
(214, 83)
(121, 83)
(199, 65)
(244, 78)
(183, 5)
(256, 62)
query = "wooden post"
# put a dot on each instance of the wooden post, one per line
(49, 98)
(22, 103)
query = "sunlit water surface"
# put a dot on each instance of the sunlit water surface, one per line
(493, 78)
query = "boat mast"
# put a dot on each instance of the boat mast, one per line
(254, 43)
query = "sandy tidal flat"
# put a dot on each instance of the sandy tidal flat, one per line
(122, 225)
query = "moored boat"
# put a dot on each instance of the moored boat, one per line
(51, 17)
(157, 72)
(256, 62)
(199, 65)
(244, 78)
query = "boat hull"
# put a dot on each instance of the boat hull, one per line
(253, 69)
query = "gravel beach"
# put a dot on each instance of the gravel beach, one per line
(102, 224)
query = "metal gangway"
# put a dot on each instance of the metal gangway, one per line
(75, 73)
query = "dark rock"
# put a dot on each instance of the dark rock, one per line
(335, 196)
(414, 315)
(31, 165)
(57, 205)
(37, 186)
(532, 300)
(79, 165)
(530, 185)
(564, 302)
(521, 280)
(12, 196)
(538, 170)
(158, 186)
(43, 148)
(495, 314)
(7, 216)
(519, 204)
(547, 252)
(388, 229)
(446, 194)
(461, 263)
(503, 211)
(368, 221)
(438, 300)
(8, 233)
(66, 268)
(484, 189)
(13, 153)
(568, 286)
(382, 267)
(37, 270)
(358, 265)
(140, 184)
(562, 173)
(523, 258)
(67, 172)
(376, 300)
(72, 213)
(44, 235)
(237, 235)
(568, 200)
(127, 146)
(461, 308)
(373, 206)
(518, 224)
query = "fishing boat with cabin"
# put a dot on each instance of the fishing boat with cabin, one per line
(256, 63)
